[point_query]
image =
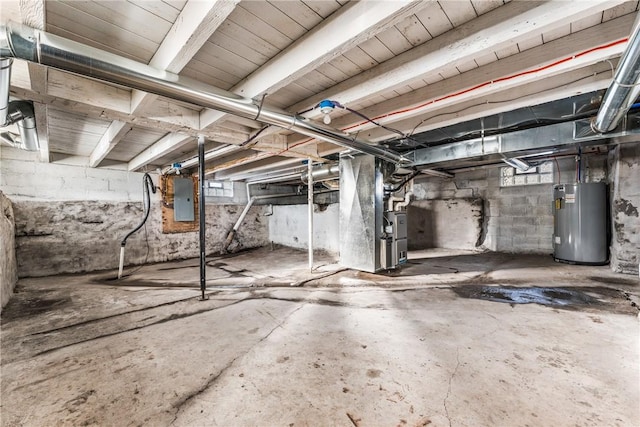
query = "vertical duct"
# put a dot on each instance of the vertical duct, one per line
(5, 82)
(21, 113)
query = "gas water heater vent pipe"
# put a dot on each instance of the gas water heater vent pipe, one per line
(147, 184)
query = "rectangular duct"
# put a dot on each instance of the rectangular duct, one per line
(361, 210)
(528, 141)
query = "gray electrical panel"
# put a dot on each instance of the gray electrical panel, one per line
(183, 199)
(580, 223)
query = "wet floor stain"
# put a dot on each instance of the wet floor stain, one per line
(554, 297)
(20, 307)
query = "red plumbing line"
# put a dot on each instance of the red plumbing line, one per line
(476, 87)
(499, 80)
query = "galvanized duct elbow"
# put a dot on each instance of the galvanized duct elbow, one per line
(33, 45)
(625, 88)
(21, 113)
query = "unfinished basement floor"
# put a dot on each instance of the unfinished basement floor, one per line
(453, 339)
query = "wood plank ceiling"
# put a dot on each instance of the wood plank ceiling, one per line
(414, 66)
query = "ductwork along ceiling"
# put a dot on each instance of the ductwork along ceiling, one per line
(403, 78)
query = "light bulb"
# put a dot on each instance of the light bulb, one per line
(326, 119)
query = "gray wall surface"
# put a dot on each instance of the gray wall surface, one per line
(71, 218)
(8, 266)
(516, 219)
(289, 226)
(449, 223)
(625, 207)
(82, 236)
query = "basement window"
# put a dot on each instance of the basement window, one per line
(220, 188)
(541, 174)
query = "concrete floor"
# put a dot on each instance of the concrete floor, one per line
(441, 343)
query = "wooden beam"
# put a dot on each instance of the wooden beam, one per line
(588, 79)
(112, 136)
(501, 28)
(197, 21)
(85, 96)
(163, 146)
(349, 26)
(520, 66)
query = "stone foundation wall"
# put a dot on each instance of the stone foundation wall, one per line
(625, 208)
(8, 266)
(81, 236)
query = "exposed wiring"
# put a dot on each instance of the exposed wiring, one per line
(558, 168)
(460, 93)
(586, 114)
(260, 106)
(255, 135)
(147, 183)
(146, 255)
(498, 80)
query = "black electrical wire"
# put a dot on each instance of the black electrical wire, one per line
(403, 182)
(491, 103)
(242, 144)
(370, 120)
(147, 183)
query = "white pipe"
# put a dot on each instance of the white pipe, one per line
(407, 197)
(310, 211)
(392, 200)
(121, 262)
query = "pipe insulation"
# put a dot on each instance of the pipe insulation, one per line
(625, 87)
(19, 41)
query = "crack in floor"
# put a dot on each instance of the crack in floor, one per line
(213, 378)
(453, 374)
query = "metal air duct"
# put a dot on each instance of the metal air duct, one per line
(5, 82)
(47, 49)
(625, 88)
(21, 113)
(322, 173)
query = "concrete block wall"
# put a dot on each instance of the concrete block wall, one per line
(289, 226)
(429, 220)
(23, 177)
(625, 208)
(516, 219)
(71, 218)
(8, 265)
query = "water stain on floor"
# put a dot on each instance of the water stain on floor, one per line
(574, 298)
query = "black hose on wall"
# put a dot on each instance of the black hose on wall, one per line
(147, 183)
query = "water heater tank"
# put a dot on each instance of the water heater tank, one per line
(580, 223)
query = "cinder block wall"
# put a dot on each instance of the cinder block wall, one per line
(515, 219)
(72, 218)
(8, 265)
(625, 208)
